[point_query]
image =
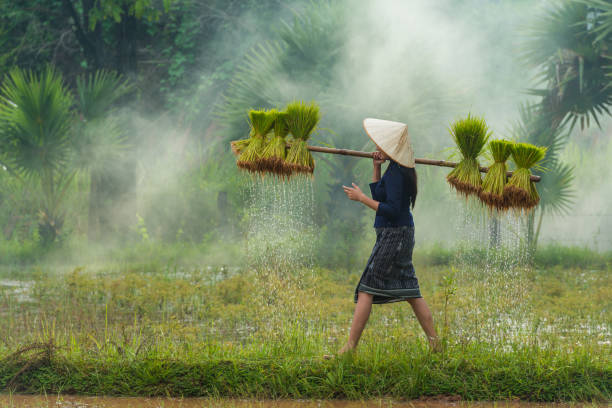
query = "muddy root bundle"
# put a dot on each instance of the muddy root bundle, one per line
(252, 149)
(492, 193)
(470, 135)
(275, 152)
(520, 192)
(301, 120)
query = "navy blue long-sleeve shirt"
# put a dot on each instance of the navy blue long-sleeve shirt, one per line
(394, 202)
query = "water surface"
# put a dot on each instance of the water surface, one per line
(69, 401)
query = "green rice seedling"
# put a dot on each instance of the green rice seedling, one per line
(492, 193)
(273, 156)
(471, 135)
(261, 123)
(301, 120)
(520, 192)
(239, 145)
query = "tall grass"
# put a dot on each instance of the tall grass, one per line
(474, 372)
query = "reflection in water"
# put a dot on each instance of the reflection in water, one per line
(65, 401)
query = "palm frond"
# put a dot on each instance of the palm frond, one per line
(554, 32)
(574, 66)
(556, 192)
(253, 84)
(97, 92)
(36, 113)
(601, 18)
(320, 24)
(308, 47)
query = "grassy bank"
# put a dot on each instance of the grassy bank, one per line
(400, 370)
(533, 334)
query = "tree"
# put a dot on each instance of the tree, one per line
(48, 136)
(36, 115)
(89, 19)
(569, 46)
(101, 143)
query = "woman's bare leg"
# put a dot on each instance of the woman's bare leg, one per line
(423, 315)
(360, 318)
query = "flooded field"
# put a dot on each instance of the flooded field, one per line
(171, 330)
(64, 401)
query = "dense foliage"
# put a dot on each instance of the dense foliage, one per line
(158, 89)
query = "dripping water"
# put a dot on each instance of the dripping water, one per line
(491, 263)
(280, 245)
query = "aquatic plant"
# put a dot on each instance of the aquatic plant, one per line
(520, 192)
(302, 119)
(492, 193)
(470, 135)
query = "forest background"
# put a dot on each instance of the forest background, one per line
(149, 93)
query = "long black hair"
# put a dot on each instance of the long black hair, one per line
(410, 178)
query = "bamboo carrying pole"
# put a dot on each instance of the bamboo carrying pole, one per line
(357, 153)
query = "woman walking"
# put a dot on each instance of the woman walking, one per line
(389, 274)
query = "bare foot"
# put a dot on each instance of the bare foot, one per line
(434, 344)
(348, 347)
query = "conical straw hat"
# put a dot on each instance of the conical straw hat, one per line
(392, 138)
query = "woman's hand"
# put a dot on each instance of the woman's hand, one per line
(378, 158)
(354, 193)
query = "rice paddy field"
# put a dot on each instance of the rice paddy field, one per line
(540, 333)
(177, 227)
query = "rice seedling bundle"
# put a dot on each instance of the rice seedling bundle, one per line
(520, 192)
(250, 156)
(275, 152)
(470, 135)
(239, 145)
(301, 120)
(492, 193)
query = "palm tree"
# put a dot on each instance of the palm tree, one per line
(46, 141)
(568, 46)
(100, 143)
(36, 116)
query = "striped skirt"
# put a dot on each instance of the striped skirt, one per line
(389, 274)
